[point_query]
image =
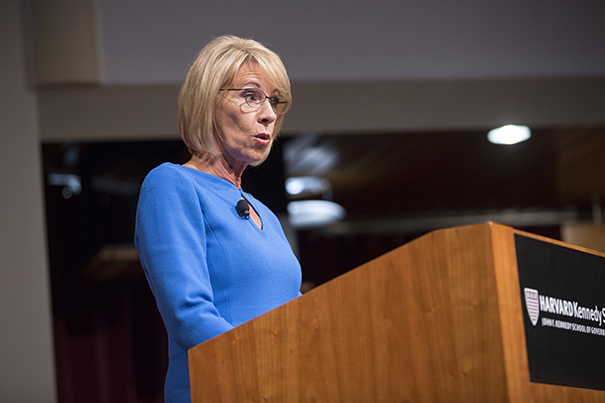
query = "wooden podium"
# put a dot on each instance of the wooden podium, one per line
(439, 319)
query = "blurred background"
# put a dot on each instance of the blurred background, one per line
(393, 102)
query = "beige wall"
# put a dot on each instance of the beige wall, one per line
(26, 350)
(586, 234)
(66, 42)
(149, 112)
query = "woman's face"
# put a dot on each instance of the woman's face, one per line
(247, 133)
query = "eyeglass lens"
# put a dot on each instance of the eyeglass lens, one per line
(255, 98)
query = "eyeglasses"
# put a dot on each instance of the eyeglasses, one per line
(255, 98)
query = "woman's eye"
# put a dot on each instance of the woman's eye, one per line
(250, 96)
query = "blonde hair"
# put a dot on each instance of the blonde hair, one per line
(215, 68)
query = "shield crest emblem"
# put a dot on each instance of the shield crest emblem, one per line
(532, 304)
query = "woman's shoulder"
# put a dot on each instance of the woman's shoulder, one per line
(164, 178)
(169, 176)
(165, 170)
(166, 174)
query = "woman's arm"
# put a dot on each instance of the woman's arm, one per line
(171, 240)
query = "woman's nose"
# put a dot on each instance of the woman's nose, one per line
(266, 113)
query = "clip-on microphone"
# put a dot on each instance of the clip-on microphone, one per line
(243, 209)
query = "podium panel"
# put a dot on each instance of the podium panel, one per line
(440, 319)
(563, 294)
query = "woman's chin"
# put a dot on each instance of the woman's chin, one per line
(258, 158)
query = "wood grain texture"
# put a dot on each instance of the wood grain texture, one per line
(511, 313)
(436, 320)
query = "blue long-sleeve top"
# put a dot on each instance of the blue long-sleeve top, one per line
(208, 268)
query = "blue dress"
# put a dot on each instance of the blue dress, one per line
(208, 268)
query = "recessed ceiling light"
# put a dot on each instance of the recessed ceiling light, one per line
(314, 213)
(509, 134)
(306, 185)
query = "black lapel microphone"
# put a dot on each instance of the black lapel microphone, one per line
(243, 209)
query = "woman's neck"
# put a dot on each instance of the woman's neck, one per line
(217, 165)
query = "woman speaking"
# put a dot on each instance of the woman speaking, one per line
(214, 256)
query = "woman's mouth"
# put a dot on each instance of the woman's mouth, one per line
(263, 138)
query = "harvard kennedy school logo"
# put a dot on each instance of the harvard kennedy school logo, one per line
(532, 304)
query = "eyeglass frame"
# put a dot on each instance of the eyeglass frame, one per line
(263, 101)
